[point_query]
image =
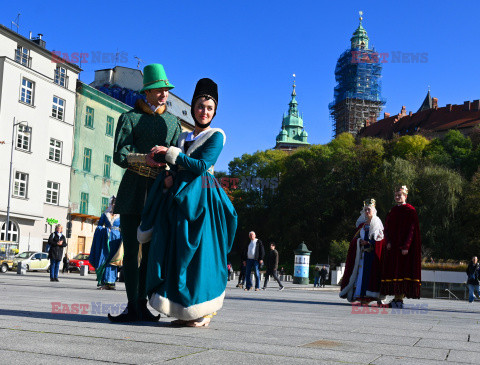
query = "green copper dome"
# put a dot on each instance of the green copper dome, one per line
(360, 37)
(292, 132)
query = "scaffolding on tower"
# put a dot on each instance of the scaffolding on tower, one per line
(357, 95)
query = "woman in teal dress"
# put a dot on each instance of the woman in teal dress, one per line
(190, 222)
(105, 253)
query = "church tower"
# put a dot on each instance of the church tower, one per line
(357, 95)
(292, 134)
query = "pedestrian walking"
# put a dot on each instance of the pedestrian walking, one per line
(272, 267)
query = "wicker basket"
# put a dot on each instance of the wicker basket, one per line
(143, 170)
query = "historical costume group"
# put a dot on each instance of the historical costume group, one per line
(106, 253)
(386, 260)
(176, 232)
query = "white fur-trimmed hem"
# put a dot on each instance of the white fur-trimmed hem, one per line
(347, 292)
(172, 154)
(144, 236)
(172, 309)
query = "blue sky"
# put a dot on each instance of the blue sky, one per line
(252, 48)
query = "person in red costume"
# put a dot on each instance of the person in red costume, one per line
(401, 263)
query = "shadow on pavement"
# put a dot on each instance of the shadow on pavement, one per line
(341, 304)
(84, 318)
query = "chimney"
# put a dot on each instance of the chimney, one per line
(476, 105)
(404, 110)
(410, 113)
(449, 107)
(435, 103)
(466, 105)
(386, 115)
(30, 35)
(39, 40)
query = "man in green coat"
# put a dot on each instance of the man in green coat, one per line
(138, 132)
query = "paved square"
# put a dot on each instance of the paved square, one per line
(295, 326)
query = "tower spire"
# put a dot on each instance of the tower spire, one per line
(360, 37)
(294, 92)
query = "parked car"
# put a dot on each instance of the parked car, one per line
(80, 260)
(5, 263)
(33, 260)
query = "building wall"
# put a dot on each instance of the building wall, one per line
(31, 213)
(94, 183)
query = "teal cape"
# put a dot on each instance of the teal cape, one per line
(106, 242)
(191, 227)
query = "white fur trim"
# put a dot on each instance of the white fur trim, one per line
(199, 141)
(347, 292)
(144, 236)
(172, 154)
(172, 309)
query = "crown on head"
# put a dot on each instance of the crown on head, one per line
(402, 188)
(369, 202)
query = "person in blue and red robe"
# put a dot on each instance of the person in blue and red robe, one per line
(361, 279)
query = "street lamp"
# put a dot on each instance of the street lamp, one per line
(10, 176)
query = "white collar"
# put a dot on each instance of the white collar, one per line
(199, 141)
(154, 108)
(191, 137)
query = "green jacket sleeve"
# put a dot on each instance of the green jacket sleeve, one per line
(210, 152)
(123, 141)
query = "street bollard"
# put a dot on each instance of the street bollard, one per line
(84, 270)
(302, 262)
(21, 268)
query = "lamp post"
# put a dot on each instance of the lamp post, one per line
(10, 176)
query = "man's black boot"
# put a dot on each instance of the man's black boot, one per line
(130, 314)
(144, 313)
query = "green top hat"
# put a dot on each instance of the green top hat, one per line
(154, 77)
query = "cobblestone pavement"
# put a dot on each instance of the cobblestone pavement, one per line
(43, 323)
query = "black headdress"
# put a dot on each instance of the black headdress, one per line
(208, 89)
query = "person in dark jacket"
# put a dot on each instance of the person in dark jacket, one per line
(472, 279)
(272, 267)
(254, 254)
(65, 264)
(57, 242)
(323, 276)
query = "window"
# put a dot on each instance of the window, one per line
(87, 159)
(83, 203)
(12, 232)
(58, 107)
(61, 76)
(169, 103)
(22, 56)
(53, 190)
(23, 138)
(20, 185)
(104, 204)
(107, 164)
(26, 95)
(184, 112)
(89, 117)
(110, 123)
(55, 153)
